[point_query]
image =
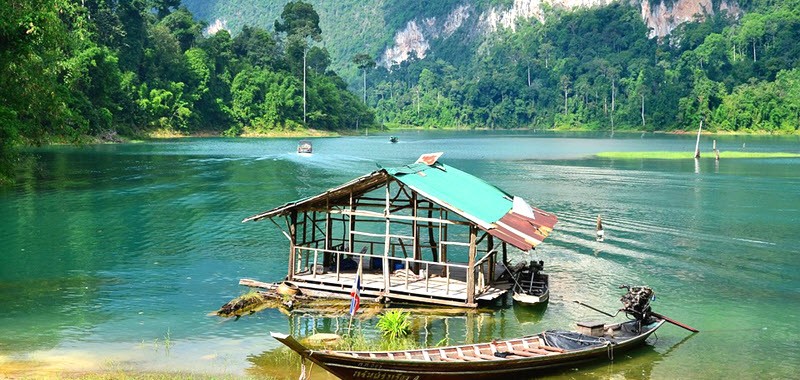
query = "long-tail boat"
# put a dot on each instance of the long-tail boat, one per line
(516, 358)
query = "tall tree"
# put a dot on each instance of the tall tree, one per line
(301, 25)
(363, 61)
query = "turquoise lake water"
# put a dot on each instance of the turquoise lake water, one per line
(113, 255)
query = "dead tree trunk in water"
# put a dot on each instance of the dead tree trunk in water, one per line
(697, 144)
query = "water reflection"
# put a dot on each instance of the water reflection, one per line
(529, 314)
(429, 326)
(282, 363)
(108, 246)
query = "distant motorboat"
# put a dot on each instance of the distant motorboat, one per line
(304, 147)
(393, 139)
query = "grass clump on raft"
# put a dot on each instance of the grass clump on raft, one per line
(689, 155)
(394, 324)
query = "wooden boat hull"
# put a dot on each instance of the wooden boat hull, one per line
(530, 299)
(459, 362)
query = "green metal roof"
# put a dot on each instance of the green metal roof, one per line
(467, 194)
(506, 217)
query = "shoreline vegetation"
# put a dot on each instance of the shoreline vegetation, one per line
(300, 133)
(310, 132)
(690, 155)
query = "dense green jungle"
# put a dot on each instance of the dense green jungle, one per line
(106, 68)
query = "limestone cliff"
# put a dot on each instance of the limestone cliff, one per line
(660, 16)
(414, 38)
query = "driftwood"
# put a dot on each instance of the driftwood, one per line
(259, 300)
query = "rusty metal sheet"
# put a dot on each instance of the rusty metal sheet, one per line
(522, 231)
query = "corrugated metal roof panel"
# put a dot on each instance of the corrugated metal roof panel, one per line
(522, 231)
(464, 193)
(339, 195)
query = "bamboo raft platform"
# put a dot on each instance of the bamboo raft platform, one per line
(403, 288)
(428, 287)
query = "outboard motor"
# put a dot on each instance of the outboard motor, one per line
(637, 301)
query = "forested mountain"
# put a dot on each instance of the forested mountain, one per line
(599, 68)
(96, 67)
(650, 65)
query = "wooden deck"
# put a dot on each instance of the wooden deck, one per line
(432, 289)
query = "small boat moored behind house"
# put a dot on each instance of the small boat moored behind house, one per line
(531, 286)
(304, 147)
(516, 358)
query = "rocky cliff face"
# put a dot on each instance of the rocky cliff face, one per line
(407, 41)
(527, 9)
(414, 38)
(659, 17)
(662, 19)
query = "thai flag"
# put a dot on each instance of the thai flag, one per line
(355, 294)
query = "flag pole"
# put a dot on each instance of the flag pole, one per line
(350, 325)
(356, 285)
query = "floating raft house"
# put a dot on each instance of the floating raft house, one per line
(424, 233)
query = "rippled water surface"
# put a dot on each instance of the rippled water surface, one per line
(113, 255)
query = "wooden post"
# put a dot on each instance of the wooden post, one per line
(387, 241)
(415, 229)
(431, 239)
(490, 244)
(716, 152)
(352, 224)
(293, 239)
(328, 224)
(304, 234)
(313, 227)
(471, 265)
(443, 235)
